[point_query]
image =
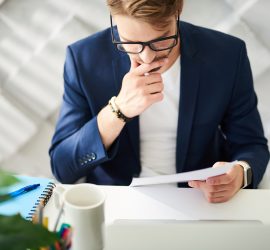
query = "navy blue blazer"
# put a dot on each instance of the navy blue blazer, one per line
(218, 116)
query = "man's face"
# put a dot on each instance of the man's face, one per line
(133, 30)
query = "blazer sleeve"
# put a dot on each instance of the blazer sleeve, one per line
(242, 125)
(76, 145)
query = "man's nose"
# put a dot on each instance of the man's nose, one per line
(147, 55)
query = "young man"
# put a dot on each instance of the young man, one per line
(152, 95)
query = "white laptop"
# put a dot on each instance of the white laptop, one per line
(187, 235)
(170, 218)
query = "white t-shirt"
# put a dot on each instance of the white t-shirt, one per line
(158, 128)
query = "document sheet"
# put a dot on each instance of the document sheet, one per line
(201, 174)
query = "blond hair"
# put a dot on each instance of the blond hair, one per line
(154, 12)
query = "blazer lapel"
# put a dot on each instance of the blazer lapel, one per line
(190, 75)
(121, 66)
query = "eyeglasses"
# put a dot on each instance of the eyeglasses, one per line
(159, 44)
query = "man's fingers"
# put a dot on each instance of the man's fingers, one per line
(209, 188)
(154, 78)
(220, 188)
(213, 194)
(146, 68)
(154, 88)
(156, 97)
(133, 64)
(218, 199)
(217, 188)
(220, 179)
(196, 184)
(219, 164)
(217, 194)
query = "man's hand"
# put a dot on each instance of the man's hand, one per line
(223, 187)
(140, 88)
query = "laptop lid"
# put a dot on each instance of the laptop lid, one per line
(197, 235)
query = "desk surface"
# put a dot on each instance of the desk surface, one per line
(171, 203)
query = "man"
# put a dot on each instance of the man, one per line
(153, 96)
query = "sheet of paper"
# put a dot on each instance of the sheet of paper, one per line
(202, 174)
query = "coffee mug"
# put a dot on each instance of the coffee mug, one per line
(83, 209)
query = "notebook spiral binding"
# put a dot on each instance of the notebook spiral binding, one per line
(42, 200)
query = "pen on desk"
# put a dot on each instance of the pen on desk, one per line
(23, 190)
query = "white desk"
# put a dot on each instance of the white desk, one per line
(188, 205)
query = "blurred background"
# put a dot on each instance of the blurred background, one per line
(33, 38)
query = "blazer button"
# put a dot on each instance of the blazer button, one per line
(93, 156)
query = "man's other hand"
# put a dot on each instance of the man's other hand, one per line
(221, 188)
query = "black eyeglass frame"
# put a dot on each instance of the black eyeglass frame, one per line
(148, 43)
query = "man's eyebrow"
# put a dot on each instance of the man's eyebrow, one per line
(163, 35)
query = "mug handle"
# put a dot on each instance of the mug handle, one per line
(59, 203)
(58, 199)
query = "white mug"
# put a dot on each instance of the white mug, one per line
(83, 209)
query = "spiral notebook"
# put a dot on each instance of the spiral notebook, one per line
(26, 204)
